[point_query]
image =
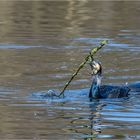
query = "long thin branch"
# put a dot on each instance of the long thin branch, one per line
(91, 54)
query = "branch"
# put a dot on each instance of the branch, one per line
(91, 54)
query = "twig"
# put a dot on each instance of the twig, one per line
(91, 54)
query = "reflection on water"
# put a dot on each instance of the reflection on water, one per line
(41, 44)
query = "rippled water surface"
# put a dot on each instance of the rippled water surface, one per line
(41, 44)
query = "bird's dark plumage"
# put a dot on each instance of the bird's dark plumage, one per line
(109, 91)
(105, 91)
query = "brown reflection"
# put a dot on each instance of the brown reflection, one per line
(55, 26)
(38, 22)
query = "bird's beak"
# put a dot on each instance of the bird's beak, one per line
(95, 68)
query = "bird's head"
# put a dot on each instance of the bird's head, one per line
(96, 68)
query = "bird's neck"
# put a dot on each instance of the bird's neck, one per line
(95, 87)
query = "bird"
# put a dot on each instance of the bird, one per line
(99, 91)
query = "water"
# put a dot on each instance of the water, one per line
(41, 44)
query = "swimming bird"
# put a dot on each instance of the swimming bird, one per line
(98, 91)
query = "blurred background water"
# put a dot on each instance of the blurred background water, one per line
(42, 43)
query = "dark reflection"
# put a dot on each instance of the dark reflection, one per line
(95, 121)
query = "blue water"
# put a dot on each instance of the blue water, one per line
(41, 44)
